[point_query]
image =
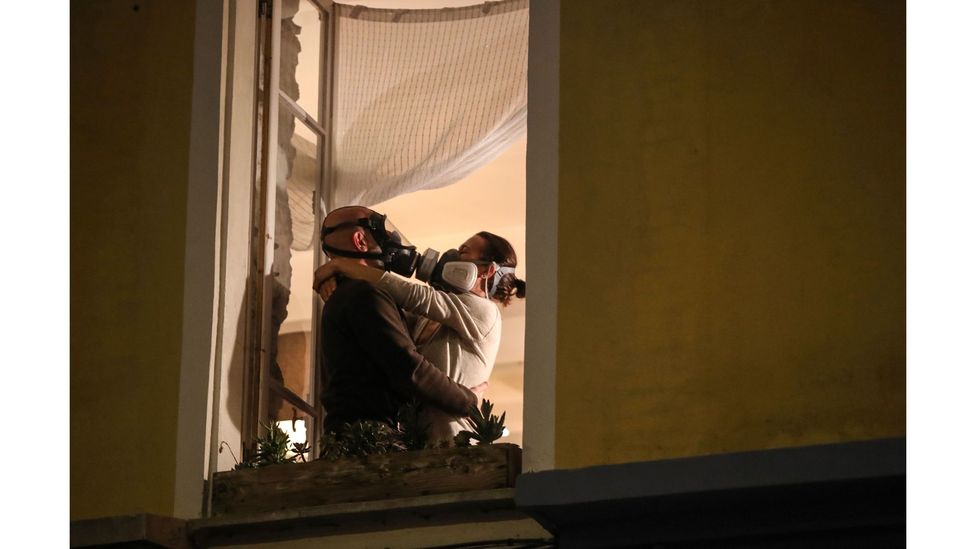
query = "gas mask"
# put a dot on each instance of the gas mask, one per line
(445, 271)
(448, 272)
(396, 252)
(452, 274)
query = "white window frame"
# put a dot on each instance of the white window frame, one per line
(258, 382)
(218, 254)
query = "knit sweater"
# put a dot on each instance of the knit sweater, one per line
(464, 347)
(370, 364)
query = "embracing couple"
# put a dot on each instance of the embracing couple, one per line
(387, 341)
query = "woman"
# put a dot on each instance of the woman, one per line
(463, 330)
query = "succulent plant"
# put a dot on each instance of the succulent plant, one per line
(414, 432)
(486, 427)
(361, 438)
(273, 449)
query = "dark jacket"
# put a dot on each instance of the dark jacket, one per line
(371, 365)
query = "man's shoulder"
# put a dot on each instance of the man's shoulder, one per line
(352, 292)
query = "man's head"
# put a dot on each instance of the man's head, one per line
(344, 234)
(361, 233)
(340, 231)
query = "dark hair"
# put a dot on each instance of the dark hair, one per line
(498, 249)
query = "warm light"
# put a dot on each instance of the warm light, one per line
(296, 434)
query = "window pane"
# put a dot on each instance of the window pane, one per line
(298, 176)
(301, 54)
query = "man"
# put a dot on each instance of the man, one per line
(371, 364)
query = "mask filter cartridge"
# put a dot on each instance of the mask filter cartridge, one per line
(446, 272)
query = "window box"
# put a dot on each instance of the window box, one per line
(377, 477)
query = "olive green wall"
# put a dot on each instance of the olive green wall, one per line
(131, 79)
(731, 226)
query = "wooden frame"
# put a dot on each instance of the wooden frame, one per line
(542, 199)
(259, 382)
(357, 479)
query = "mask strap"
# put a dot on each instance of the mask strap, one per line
(499, 273)
(331, 250)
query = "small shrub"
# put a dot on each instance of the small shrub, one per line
(273, 449)
(487, 427)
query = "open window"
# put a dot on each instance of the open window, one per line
(293, 170)
(475, 165)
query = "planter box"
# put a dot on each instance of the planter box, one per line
(379, 477)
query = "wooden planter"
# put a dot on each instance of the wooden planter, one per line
(389, 476)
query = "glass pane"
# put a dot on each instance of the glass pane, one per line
(301, 54)
(298, 176)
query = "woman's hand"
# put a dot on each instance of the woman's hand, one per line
(324, 282)
(479, 390)
(326, 288)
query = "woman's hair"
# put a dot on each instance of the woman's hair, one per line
(498, 249)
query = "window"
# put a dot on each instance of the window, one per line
(269, 371)
(292, 161)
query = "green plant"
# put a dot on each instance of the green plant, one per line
(414, 432)
(487, 427)
(273, 449)
(462, 439)
(361, 438)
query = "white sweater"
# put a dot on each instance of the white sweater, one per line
(464, 347)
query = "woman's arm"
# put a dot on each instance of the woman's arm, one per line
(351, 268)
(443, 307)
(446, 308)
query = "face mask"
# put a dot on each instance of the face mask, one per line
(445, 271)
(448, 272)
(500, 272)
(396, 252)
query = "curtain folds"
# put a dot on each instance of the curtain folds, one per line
(423, 97)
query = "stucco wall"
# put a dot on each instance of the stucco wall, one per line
(131, 83)
(731, 226)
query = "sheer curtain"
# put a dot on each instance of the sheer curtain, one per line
(425, 97)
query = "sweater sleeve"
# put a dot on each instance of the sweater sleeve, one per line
(444, 307)
(381, 334)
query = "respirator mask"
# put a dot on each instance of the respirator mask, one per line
(445, 271)
(396, 252)
(450, 273)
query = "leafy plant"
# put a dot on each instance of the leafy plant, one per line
(414, 433)
(273, 449)
(462, 439)
(361, 438)
(300, 449)
(487, 427)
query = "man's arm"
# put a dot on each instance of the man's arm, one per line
(380, 332)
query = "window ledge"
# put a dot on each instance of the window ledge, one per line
(141, 530)
(374, 478)
(366, 516)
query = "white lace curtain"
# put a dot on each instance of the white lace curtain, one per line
(425, 97)
(422, 99)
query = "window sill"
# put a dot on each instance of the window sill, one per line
(378, 477)
(359, 517)
(435, 487)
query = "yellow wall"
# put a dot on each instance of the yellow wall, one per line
(731, 226)
(131, 76)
